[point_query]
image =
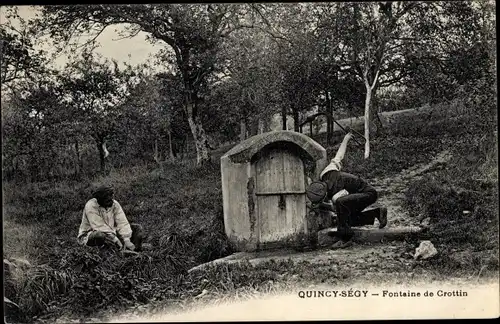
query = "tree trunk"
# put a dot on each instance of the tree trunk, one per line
(101, 146)
(170, 146)
(199, 135)
(156, 155)
(369, 92)
(261, 126)
(378, 122)
(329, 121)
(183, 148)
(296, 121)
(265, 122)
(243, 129)
(375, 116)
(367, 120)
(78, 165)
(283, 118)
(254, 128)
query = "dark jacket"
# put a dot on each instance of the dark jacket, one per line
(338, 180)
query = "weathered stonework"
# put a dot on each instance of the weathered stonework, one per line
(372, 234)
(263, 188)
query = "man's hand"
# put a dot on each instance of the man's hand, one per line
(129, 245)
(339, 194)
(327, 205)
(114, 240)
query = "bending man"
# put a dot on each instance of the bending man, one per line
(350, 194)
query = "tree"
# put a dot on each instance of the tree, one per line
(457, 53)
(292, 57)
(374, 39)
(18, 59)
(250, 81)
(171, 121)
(94, 91)
(390, 42)
(300, 73)
(193, 32)
(33, 129)
(333, 87)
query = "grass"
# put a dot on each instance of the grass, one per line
(461, 202)
(20, 240)
(180, 207)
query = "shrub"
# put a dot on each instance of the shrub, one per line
(461, 201)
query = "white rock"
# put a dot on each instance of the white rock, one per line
(425, 250)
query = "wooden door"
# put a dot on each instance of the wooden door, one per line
(280, 193)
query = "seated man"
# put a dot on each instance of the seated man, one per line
(104, 223)
(350, 194)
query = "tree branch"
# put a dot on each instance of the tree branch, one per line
(129, 36)
(92, 41)
(375, 79)
(268, 24)
(393, 80)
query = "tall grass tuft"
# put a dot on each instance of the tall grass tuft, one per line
(35, 288)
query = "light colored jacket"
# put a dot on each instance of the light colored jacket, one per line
(108, 220)
(335, 165)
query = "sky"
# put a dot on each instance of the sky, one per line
(134, 50)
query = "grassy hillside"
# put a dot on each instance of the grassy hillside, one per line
(180, 206)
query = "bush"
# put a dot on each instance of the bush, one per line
(461, 202)
(430, 198)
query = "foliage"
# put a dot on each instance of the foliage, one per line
(461, 200)
(233, 68)
(195, 34)
(20, 60)
(29, 123)
(94, 92)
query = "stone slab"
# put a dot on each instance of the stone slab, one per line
(363, 235)
(371, 235)
(319, 256)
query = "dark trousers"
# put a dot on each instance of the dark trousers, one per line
(350, 212)
(98, 238)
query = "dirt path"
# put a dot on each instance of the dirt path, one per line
(392, 189)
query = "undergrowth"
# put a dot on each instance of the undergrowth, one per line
(461, 203)
(180, 207)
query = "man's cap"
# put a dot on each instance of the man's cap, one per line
(316, 191)
(103, 191)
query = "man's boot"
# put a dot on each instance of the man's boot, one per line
(382, 217)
